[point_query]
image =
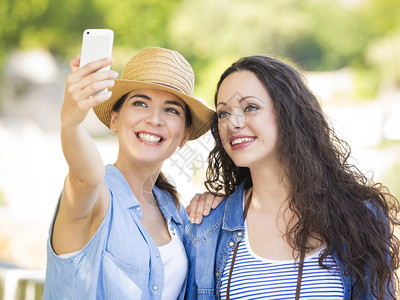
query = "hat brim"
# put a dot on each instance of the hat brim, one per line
(201, 114)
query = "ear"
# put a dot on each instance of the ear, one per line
(186, 136)
(113, 121)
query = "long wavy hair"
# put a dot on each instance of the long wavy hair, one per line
(162, 181)
(331, 199)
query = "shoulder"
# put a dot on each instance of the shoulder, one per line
(228, 216)
(378, 212)
(169, 207)
(209, 225)
(114, 178)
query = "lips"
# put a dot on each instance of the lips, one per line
(149, 138)
(240, 142)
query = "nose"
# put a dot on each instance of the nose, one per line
(237, 120)
(155, 117)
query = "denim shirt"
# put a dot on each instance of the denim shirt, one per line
(209, 244)
(121, 261)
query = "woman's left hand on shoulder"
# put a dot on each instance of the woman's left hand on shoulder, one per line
(201, 205)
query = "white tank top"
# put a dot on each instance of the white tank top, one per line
(174, 258)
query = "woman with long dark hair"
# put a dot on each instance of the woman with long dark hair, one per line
(299, 220)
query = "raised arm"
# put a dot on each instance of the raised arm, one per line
(84, 201)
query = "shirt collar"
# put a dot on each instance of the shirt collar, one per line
(233, 215)
(167, 205)
(165, 201)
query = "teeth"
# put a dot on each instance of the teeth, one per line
(149, 138)
(241, 140)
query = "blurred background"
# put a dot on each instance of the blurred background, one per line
(348, 50)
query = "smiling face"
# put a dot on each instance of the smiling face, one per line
(150, 126)
(246, 121)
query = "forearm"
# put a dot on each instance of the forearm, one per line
(82, 156)
(82, 94)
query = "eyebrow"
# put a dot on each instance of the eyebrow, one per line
(140, 96)
(240, 101)
(171, 102)
(174, 103)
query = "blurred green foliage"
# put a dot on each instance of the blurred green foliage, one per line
(58, 25)
(319, 35)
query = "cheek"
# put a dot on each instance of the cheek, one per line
(222, 130)
(271, 130)
(274, 125)
(127, 117)
(178, 128)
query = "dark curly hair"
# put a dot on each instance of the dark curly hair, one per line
(333, 201)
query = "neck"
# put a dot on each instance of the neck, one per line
(141, 180)
(270, 188)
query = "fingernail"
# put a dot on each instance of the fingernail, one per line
(206, 212)
(192, 220)
(112, 82)
(114, 74)
(197, 221)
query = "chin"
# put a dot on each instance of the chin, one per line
(242, 163)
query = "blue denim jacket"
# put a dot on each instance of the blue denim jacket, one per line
(121, 261)
(209, 244)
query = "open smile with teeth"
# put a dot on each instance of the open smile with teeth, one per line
(242, 140)
(149, 137)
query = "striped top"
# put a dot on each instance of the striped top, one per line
(255, 277)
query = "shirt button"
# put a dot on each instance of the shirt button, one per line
(138, 209)
(345, 273)
(217, 274)
(240, 233)
(157, 254)
(231, 244)
(155, 287)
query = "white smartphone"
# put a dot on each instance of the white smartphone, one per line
(96, 44)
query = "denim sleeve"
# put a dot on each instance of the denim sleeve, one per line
(183, 214)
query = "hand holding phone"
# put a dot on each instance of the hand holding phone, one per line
(96, 44)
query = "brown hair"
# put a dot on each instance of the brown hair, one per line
(333, 201)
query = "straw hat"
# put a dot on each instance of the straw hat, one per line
(161, 69)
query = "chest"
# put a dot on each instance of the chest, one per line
(156, 226)
(254, 276)
(133, 238)
(267, 237)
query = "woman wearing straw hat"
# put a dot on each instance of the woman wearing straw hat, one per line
(117, 230)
